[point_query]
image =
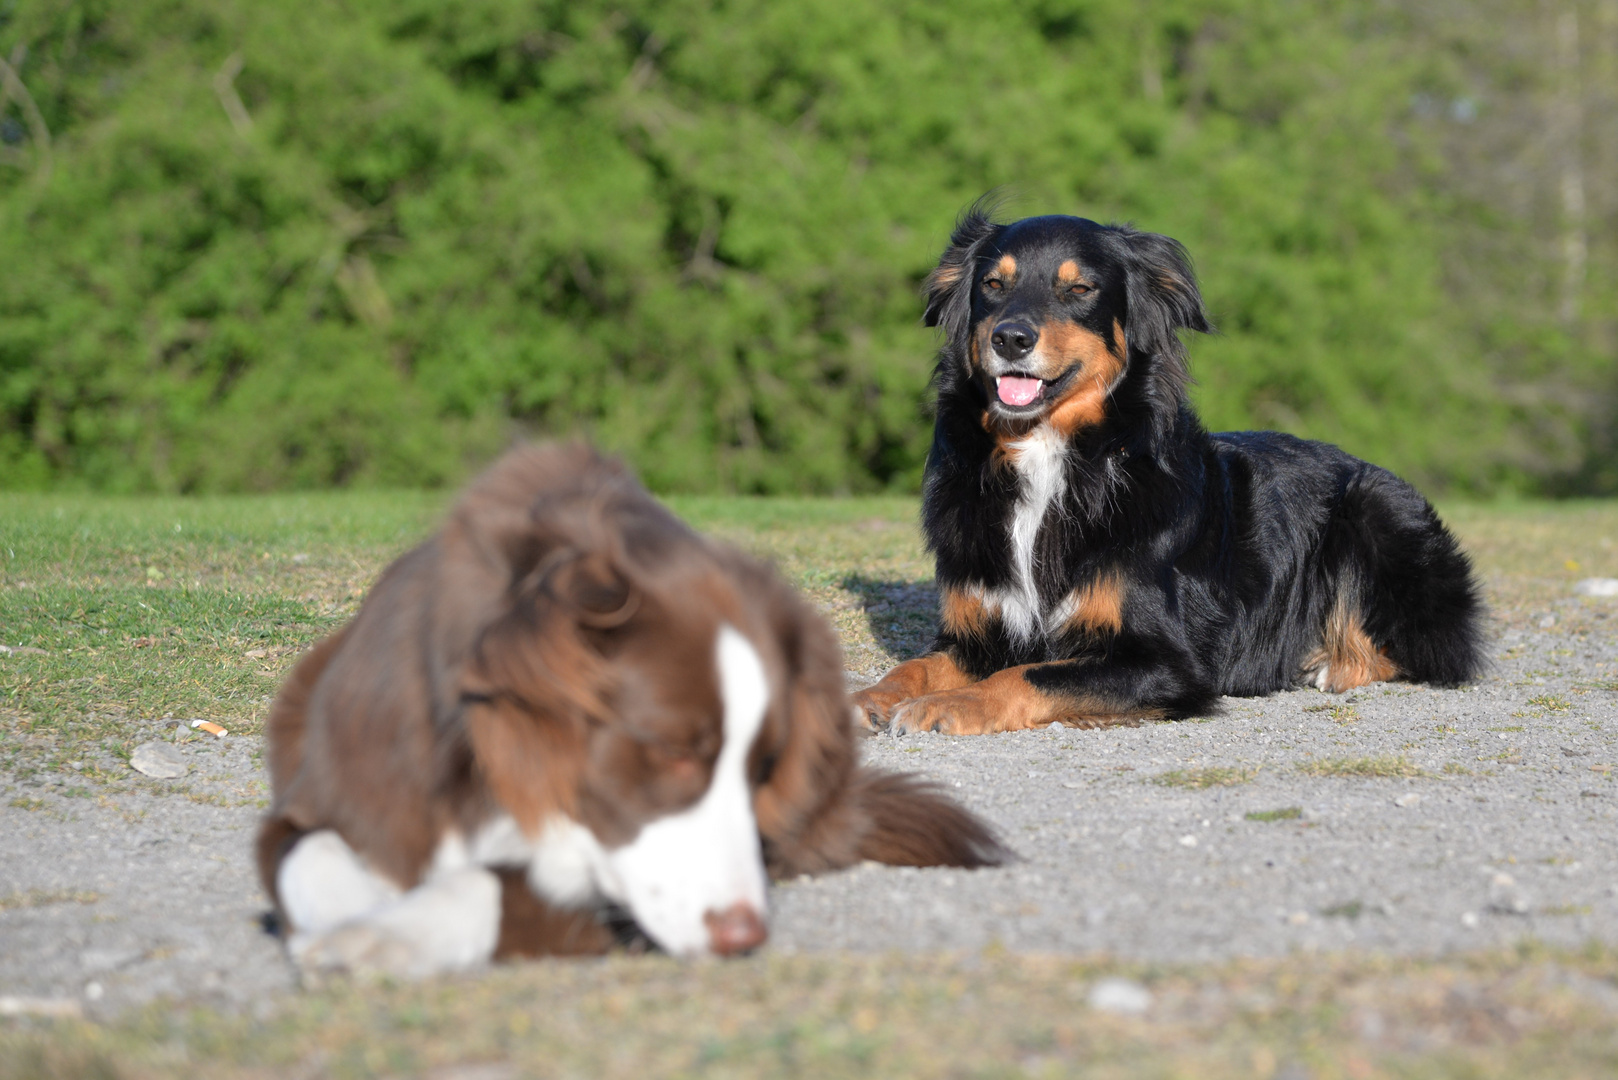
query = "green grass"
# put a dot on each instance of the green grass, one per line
(1286, 813)
(1367, 767)
(1212, 776)
(143, 608)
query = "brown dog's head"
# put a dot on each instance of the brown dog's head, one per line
(645, 705)
(1062, 320)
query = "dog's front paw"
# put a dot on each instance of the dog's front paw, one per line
(359, 949)
(873, 706)
(948, 713)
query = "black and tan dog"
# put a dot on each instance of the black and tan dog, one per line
(1101, 558)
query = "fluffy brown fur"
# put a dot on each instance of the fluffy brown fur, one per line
(549, 650)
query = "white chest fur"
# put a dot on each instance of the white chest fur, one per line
(1039, 461)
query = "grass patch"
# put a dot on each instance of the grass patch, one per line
(1286, 813)
(1213, 776)
(1550, 703)
(132, 609)
(917, 1016)
(1387, 766)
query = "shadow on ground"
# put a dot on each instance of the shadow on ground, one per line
(902, 614)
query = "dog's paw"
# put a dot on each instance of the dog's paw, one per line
(358, 949)
(872, 707)
(948, 712)
(931, 712)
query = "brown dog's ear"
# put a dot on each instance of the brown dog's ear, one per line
(534, 685)
(598, 593)
(948, 289)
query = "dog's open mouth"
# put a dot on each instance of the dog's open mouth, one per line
(1018, 390)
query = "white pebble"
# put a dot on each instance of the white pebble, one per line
(1125, 996)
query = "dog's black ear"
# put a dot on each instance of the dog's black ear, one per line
(948, 288)
(1163, 298)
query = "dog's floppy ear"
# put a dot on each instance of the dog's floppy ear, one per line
(948, 289)
(1163, 298)
(595, 590)
(535, 683)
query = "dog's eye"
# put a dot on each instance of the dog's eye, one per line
(992, 283)
(1079, 290)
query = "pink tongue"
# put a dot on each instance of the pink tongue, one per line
(1016, 390)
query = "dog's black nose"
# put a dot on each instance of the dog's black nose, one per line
(1013, 340)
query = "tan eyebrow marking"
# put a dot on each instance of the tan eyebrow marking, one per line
(1007, 266)
(1070, 274)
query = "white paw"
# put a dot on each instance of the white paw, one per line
(360, 949)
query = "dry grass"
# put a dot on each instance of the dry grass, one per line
(1514, 1015)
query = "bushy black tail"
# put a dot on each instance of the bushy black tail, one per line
(1421, 602)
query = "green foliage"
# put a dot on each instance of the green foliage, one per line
(308, 243)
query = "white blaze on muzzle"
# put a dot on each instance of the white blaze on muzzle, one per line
(686, 869)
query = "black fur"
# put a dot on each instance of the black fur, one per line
(1232, 548)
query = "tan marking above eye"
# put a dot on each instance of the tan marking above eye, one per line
(1007, 266)
(1070, 274)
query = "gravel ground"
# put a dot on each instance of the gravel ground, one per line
(1504, 832)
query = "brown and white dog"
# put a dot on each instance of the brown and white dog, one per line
(564, 707)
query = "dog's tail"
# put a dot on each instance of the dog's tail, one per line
(1404, 571)
(911, 823)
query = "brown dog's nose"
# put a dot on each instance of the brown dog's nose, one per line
(1013, 340)
(735, 930)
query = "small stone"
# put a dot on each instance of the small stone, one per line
(1407, 800)
(1123, 996)
(1188, 840)
(1469, 919)
(1547, 622)
(1298, 918)
(1505, 898)
(159, 759)
(1597, 586)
